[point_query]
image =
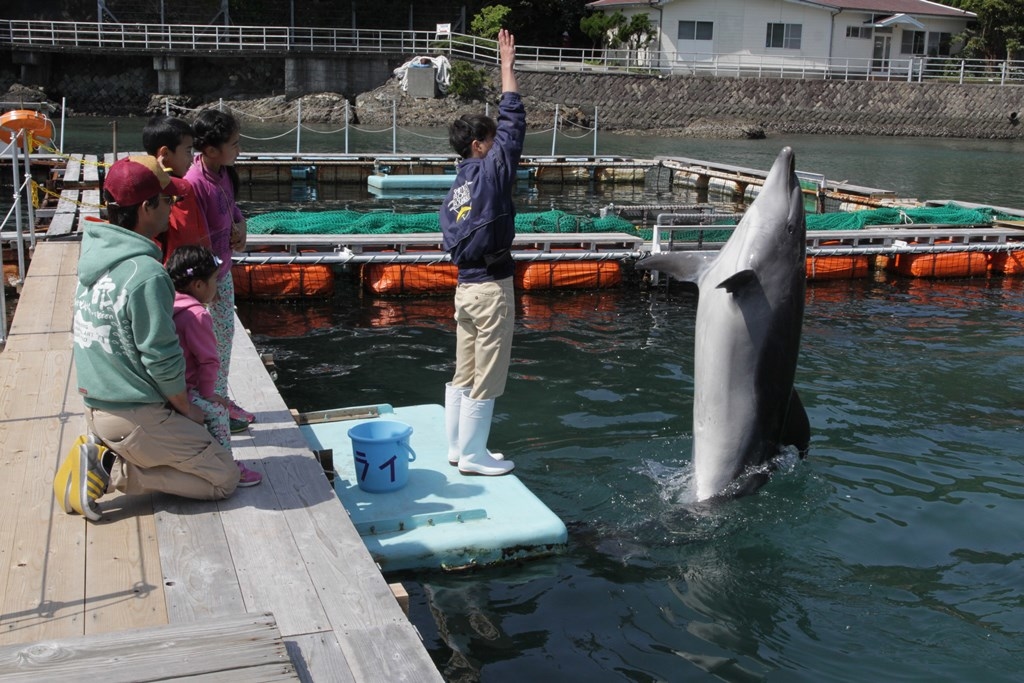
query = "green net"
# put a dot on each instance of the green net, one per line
(389, 223)
(345, 222)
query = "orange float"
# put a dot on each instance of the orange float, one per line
(837, 267)
(1007, 263)
(535, 275)
(941, 265)
(282, 281)
(409, 278)
(38, 126)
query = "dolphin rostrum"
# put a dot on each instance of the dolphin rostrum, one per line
(747, 338)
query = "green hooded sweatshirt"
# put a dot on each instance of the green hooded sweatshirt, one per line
(126, 348)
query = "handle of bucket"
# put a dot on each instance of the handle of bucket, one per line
(412, 453)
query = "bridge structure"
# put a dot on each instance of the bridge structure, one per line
(170, 42)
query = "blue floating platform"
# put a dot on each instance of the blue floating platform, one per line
(435, 181)
(441, 519)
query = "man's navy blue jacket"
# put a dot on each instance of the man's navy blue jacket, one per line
(478, 217)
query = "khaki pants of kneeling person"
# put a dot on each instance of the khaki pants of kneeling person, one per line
(161, 450)
(485, 315)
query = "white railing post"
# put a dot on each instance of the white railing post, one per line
(63, 112)
(346, 126)
(554, 132)
(394, 126)
(962, 65)
(298, 129)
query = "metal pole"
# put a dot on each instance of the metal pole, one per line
(595, 131)
(298, 131)
(113, 142)
(63, 110)
(394, 127)
(17, 207)
(346, 126)
(28, 189)
(554, 132)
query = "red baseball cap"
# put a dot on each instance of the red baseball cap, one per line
(133, 180)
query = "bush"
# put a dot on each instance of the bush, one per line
(467, 81)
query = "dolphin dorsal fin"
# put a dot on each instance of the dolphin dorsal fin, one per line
(737, 281)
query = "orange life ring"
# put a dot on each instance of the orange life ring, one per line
(37, 124)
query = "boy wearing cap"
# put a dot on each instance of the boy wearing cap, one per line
(131, 371)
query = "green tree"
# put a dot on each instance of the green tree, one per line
(998, 32)
(489, 21)
(637, 33)
(599, 26)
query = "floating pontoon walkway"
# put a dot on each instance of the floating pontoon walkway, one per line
(271, 584)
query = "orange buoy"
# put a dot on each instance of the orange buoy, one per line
(38, 126)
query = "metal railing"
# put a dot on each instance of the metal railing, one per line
(186, 38)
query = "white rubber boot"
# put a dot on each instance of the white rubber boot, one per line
(474, 428)
(452, 406)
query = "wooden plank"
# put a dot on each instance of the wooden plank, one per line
(64, 216)
(73, 169)
(45, 566)
(318, 657)
(241, 647)
(89, 206)
(90, 169)
(354, 595)
(198, 571)
(123, 581)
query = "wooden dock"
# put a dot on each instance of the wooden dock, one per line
(281, 558)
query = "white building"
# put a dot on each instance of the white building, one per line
(827, 36)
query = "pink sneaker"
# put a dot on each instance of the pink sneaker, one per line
(247, 477)
(235, 412)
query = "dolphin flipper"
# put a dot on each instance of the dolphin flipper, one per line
(796, 430)
(737, 281)
(686, 266)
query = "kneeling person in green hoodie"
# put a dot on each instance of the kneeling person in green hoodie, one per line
(131, 370)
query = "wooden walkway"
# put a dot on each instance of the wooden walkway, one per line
(284, 548)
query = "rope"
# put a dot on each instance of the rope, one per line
(46, 191)
(321, 132)
(272, 137)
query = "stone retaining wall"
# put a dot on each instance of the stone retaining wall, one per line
(787, 106)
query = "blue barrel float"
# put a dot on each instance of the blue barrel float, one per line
(382, 453)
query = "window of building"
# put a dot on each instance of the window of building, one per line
(784, 35)
(912, 43)
(696, 30)
(858, 32)
(939, 44)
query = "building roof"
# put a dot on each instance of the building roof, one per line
(914, 7)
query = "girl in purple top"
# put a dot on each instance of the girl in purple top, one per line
(214, 184)
(194, 269)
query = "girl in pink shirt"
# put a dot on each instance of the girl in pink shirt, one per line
(214, 184)
(194, 269)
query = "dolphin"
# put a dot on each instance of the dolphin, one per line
(749, 316)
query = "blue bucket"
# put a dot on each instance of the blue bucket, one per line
(382, 453)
